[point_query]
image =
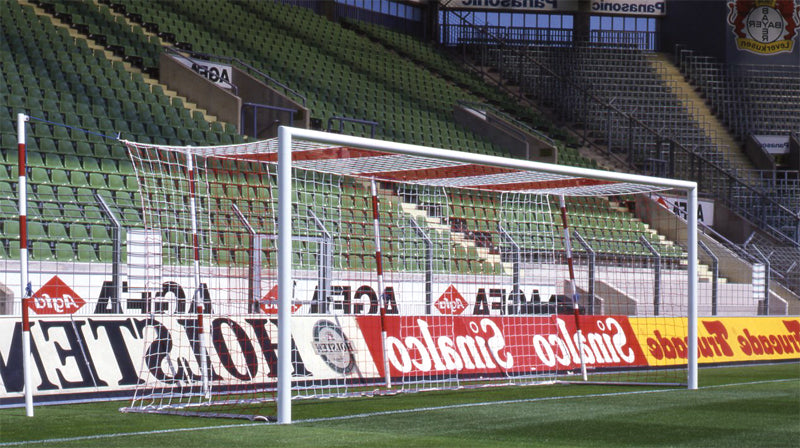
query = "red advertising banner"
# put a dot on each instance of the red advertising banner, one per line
(426, 345)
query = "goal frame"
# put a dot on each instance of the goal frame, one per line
(287, 135)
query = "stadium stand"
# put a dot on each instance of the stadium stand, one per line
(619, 73)
(96, 74)
(119, 101)
(625, 102)
(56, 77)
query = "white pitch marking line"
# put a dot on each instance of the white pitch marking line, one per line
(373, 414)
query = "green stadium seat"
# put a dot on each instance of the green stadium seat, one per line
(72, 163)
(51, 211)
(106, 253)
(8, 208)
(61, 133)
(97, 181)
(100, 233)
(116, 182)
(84, 149)
(41, 251)
(78, 232)
(63, 252)
(77, 179)
(131, 183)
(86, 253)
(131, 216)
(36, 230)
(39, 176)
(72, 212)
(59, 177)
(126, 168)
(11, 227)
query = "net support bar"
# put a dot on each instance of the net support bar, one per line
(428, 263)
(284, 274)
(196, 255)
(379, 273)
(576, 310)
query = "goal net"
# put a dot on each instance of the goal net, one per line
(325, 265)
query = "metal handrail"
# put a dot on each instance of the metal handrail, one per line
(256, 107)
(342, 120)
(511, 120)
(269, 79)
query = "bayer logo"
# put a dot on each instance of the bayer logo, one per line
(333, 347)
(764, 24)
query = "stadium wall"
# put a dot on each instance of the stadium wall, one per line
(219, 101)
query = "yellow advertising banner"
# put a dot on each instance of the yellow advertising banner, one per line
(721, 339)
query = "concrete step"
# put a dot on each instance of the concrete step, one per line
(455, 237)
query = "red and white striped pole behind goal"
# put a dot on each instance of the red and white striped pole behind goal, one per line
(25, 290)
(379, 271)
(198, 299)
(573, 288)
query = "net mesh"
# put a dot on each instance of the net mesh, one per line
(474, 266)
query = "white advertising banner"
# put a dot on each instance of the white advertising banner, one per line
(630, 7)
(350, 293)
(773, 144)
(103, 354)
(219, 74)
(96, 356)
(81, 349)
(678, 206)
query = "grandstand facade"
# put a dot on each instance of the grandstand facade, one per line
(639, 87)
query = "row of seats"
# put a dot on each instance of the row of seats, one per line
(618, 74)
(55, 77)
(341, 74)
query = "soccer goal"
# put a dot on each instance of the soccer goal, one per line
(325, 265)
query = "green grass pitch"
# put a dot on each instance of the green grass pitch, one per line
(744, 406)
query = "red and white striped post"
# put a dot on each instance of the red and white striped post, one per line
(196, 250)
(22, 191)
(379, 271)
(573, 288)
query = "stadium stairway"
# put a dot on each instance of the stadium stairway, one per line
(148, 78)
(457, 238)
(698, 108)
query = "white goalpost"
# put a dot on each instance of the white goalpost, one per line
(327, 265)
